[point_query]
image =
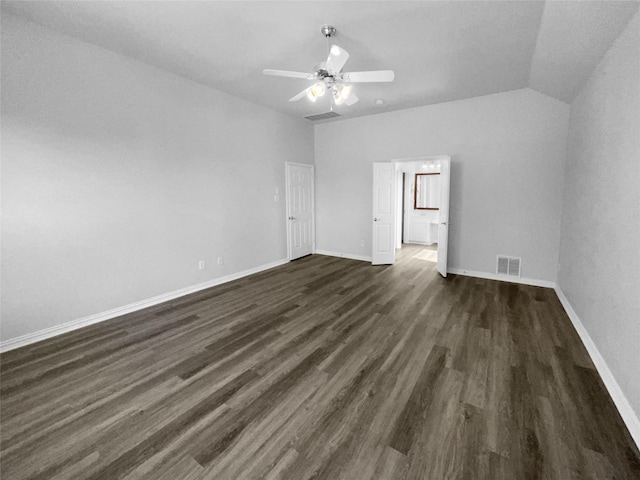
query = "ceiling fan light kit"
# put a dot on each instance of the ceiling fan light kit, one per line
(316, 90)
(329, 75)
(341, 93)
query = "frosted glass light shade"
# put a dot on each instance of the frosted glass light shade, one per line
(316, 90)
(341, 93)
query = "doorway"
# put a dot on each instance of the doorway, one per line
(419, 214)
(412, 208)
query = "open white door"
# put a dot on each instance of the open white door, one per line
(383, 242)
(443, 225)
(300, 210)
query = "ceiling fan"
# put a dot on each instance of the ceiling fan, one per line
(329, 75)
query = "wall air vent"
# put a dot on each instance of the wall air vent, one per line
(322, 116)
(508, 266)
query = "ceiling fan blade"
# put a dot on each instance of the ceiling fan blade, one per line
(300, 95)
(287, 73)
(337, 58)
(373, 76)
(351, 100)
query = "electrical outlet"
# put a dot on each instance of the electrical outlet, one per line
(220, 261)
(362, 243)
(276, 198)
(201, 265)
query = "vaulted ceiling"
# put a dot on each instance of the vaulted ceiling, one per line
(440, 50)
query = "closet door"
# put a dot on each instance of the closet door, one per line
(300, 210)
(383, 241)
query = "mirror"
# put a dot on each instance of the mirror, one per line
(426, 193)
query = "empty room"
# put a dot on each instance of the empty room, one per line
(295, 240)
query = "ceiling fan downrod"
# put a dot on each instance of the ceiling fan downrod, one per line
(327, 31)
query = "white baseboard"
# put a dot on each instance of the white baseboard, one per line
(344, 255)
(503, 278)
(29, 338)
(627, 413)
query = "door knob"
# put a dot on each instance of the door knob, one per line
(375, 219)
(292, 218)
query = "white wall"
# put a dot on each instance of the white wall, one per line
(117, 178)
(600, 239)
(507, 162)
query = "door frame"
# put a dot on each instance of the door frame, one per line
(288, 206)
(427, 158)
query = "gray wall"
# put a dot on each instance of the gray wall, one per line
(117, 178)
(600, 236)
(507, 152)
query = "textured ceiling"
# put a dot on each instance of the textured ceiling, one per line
(440, 50)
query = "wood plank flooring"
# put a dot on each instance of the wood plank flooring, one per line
(324, 368)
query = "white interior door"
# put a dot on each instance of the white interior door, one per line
(383, 242)
(443, 225)
(300, 210)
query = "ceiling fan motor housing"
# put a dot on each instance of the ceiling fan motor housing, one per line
(323, 73)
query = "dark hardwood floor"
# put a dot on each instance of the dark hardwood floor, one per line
(324, 368)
